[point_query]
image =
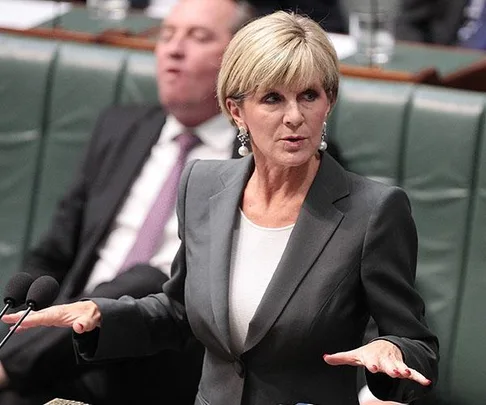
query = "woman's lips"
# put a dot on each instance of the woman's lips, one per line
(293, 142)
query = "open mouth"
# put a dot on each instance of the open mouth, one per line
(294, 139)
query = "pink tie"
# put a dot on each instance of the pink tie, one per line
(149, 235)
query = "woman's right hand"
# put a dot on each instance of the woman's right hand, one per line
(82, 316)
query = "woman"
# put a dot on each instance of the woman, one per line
(284, 255)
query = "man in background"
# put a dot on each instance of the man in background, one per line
(326, 12)
(100, 242)
(458, 22)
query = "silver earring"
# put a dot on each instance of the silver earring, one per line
(244, 139)
(323, 145)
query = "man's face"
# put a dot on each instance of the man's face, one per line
(192, 41)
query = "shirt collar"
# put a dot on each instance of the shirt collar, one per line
(217, 132)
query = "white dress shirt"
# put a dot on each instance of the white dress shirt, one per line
(217, 137)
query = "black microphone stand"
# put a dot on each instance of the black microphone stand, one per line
(8, 305)
(14, 328)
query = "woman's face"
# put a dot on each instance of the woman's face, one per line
(285, 125)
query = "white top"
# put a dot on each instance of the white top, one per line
(255, 254)
(217, 137)
(365, 397)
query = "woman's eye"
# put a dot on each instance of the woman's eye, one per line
(271, 98)
(310, 95)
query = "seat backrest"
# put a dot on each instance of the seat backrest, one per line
(25, 73)
(368, 124)
(440, 152)
(425, 139)
(52, 93)
(468, 373)
(86, 79)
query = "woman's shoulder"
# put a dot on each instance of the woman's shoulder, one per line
(211, 169)
(373, 189)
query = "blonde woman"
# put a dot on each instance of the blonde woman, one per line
(284, 255)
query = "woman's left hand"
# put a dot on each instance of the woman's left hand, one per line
(379, 356)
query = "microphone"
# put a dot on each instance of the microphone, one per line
(16, 291)
(41, 294)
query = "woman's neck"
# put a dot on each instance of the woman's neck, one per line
(276, 182)
(274, 195)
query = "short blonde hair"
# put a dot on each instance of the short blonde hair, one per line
(279, 49)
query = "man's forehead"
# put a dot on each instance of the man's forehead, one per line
(202, 13)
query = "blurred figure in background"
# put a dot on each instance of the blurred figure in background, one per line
(458, 22)
(98, 243)
(326, 12)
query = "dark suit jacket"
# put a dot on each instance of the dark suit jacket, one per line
(118, 149)
(352, 253)
(435, 21)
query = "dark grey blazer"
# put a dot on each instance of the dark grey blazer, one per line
(435, 21)
(352, 253)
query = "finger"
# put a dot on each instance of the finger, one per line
(418, 377)
(19, 329)
(401, 370)
(12, 318)
(349, 358)
(40, 318)
(79, 327)
(84, 324)
(388, 366)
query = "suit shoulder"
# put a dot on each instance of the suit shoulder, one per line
(373, 191)
(210, 168)
(116, 121)
(128, 113)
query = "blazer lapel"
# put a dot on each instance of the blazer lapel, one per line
(223, 208)
(317, 221)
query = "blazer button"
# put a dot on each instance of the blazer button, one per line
(239, 367)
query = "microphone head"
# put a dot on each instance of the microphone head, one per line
(17, 288)
(42, 292)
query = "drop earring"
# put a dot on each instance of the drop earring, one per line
(323, 145)
(244, 139)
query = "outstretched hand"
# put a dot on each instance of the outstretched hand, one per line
(82, 316)
(379, 356)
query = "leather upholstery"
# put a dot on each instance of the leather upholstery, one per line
(428, 140)
(25, 69)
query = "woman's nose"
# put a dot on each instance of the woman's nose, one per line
(293, 116)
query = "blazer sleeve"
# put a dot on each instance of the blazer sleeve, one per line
(388, 276)
(149, 324)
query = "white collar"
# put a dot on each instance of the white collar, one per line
(217, 132)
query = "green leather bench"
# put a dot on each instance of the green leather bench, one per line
(431, 141)
(50, 96)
